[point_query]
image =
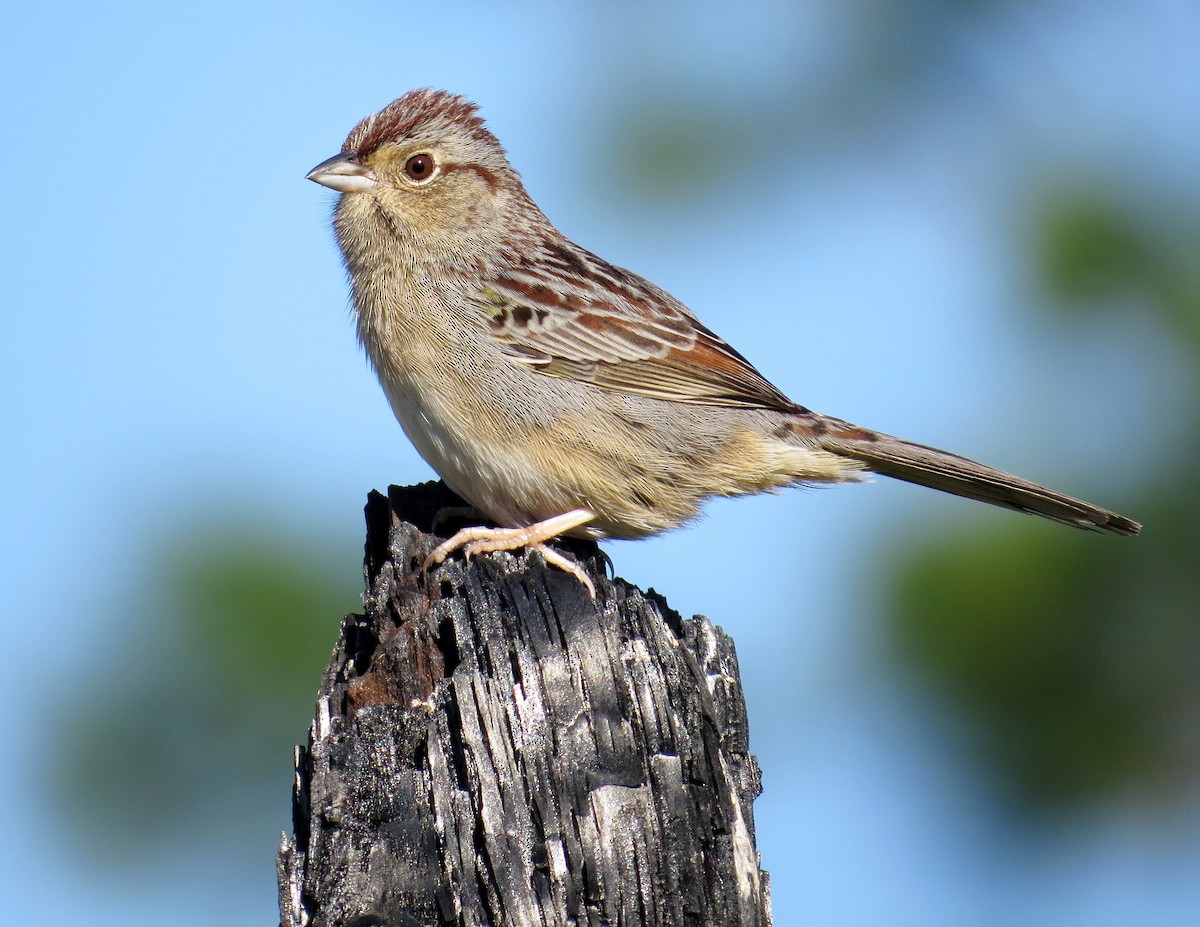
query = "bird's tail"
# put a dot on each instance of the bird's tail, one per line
(928, 466)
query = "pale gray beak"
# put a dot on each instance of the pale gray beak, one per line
(344, 174)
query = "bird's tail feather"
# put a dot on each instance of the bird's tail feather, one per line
(928, 466)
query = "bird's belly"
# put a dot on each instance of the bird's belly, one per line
(483, 460)
(521, 462)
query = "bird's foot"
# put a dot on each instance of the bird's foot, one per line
(481, 540)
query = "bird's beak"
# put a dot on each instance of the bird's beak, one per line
(344, 174)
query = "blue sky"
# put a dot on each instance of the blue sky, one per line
(176, 341)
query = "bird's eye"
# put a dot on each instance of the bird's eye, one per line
(419, 167)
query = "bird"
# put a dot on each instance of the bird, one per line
(557, 393)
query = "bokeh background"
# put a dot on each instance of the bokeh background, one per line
(975, 225)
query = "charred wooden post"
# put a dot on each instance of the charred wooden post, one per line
(493, 747)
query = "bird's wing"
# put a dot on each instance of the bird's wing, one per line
(610, 327)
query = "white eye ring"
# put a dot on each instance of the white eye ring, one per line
(420, 167)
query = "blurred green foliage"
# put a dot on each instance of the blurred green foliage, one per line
(680, 127)
(1105, 245)
(1073, 662)
(190, 735)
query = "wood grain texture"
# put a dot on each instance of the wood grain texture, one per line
(493, 747)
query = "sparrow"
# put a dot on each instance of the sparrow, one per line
(557, 393)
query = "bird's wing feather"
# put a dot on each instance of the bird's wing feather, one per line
(612, 328)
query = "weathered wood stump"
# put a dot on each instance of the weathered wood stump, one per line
(493, 747)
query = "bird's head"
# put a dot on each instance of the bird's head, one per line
(424, 177)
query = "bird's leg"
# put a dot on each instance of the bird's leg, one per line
(481, 540)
